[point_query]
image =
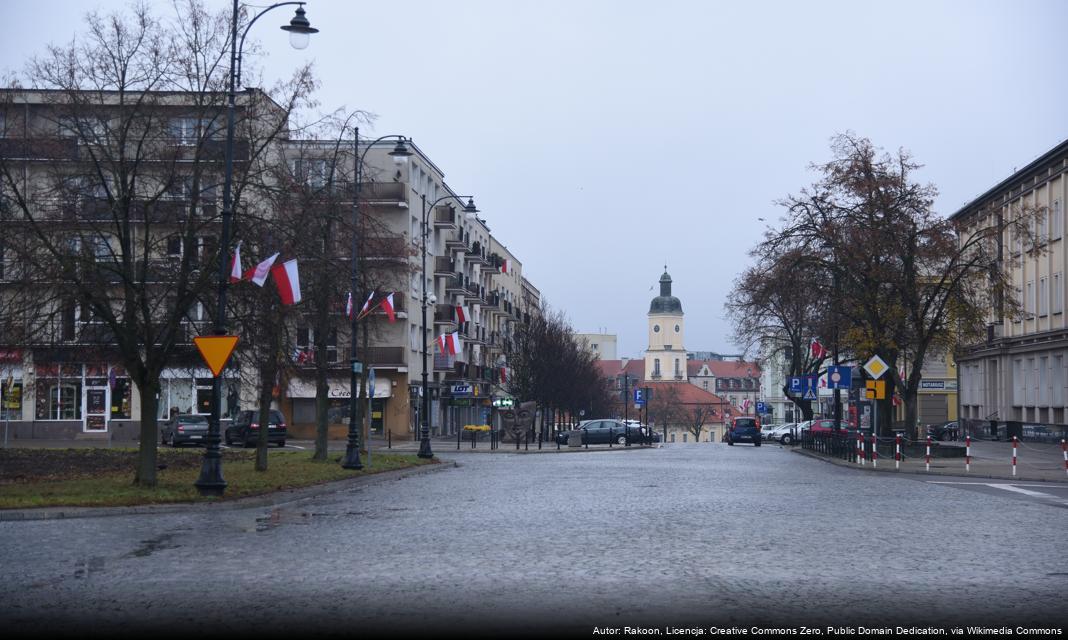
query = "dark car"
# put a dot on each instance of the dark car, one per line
(184, 429)
(246, 429)
(944, 431)
(609, 431)
(743, 429)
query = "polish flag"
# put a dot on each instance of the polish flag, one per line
(235, 266)
(348, 306)
(259, 273)
(387, 306)
(452, 341)
(366, 303)
(818, 351)
(287, 279)
(461, 313)
(505, 266)
(441, 343)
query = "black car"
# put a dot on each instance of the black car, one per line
(609, 431)
(742, 429)
(944, 431)
(246, 429)
(184, 429)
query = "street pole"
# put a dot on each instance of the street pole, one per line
(424, 442)
(352, 448)
(211, 482)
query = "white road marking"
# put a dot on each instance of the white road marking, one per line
(1016, 488)
(293, 446)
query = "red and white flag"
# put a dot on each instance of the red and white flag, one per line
(461, 313)
(235, 266)
(348, 306)
(259, 273)
(387, 306)
(287, 279)
(504, 375)
(818, 351)
(449, 343)
(366, 304)
(506, 266)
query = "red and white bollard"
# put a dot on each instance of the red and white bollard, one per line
(897, 452)
(1014, 445)
(874, 452)
(1064, 448)
(927, 457)
(968, 453)
(860, 449)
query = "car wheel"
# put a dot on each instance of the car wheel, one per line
(621, 440)
(730, 442)
(174, 442)
(281, 444)
(757, 443)
(162, 438)
(787, 440)
(229, 440)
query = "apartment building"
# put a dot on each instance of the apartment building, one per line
(1017, 377)
(68, 382)
(601, 345)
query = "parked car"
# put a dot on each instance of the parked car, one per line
(606, 431)
(944, 431)
(743, 429)
(822, 425)
(786, 434)
(245, 429)
(184, 429)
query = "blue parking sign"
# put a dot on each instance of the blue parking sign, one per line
(639, 397)
(796, 385)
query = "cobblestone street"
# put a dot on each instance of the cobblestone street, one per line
(684, 535)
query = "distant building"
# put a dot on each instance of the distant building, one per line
(602, 345)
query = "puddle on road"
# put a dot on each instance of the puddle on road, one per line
(279, 517)
(153, 545)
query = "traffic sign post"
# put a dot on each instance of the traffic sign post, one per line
(639, 397)
(216, 351)
(839, 377)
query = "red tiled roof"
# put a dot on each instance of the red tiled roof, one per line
(724, 368)
(613, 368)
(688, 393)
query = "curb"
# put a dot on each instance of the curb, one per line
(513, 451)
(917, 472)
(276, 498)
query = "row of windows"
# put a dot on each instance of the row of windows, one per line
(1049, 228)
(1047, 298)
(1039, 381)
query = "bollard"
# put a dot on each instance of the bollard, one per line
(539, 441)
(897, 452)
(1014, 444)
(557, 444)
(459, 432)
(927, 457)
(474, 438)
(860, 448)
(526, 442)
(967, 453)
(585, 440)
(1064, 448)
(389, 439)
(874, 452)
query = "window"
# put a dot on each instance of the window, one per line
(678, 371)
(656, 328)
(1057, 294)
(704, 384)
(11, 401)
(1056, 221)
(676, 328)
(1043, 296)
(59, 392)
(656, 367)
(174, 246)
(1029, 299)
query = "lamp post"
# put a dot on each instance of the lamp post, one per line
(211, 482)
(424, 414)
(400, 155)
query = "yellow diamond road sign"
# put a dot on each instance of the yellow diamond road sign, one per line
(876, 367)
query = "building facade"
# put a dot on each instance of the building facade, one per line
(1018, 376)
(603, 346)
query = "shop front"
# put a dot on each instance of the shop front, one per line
(300, 407)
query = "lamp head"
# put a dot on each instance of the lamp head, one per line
(299, 29)
(470, 209)
(400, 152)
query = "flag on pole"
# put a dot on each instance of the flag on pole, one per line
(235, 266)
(348, 306)
(453, 341)
(505, 266)
(441, 343)
(461, 313)
(366, 304)
(287, 279)
(387, 306)
(259, 273)
(818, 350)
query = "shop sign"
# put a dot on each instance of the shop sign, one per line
(461, 402)
(461, 390)
(503, 402)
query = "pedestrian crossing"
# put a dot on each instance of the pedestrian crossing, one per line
(1051, 494)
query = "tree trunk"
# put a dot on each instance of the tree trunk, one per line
(322, 409)
(267, 376)
(146, 456)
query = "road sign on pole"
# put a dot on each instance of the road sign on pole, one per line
(839, 377)
(215, 350)
(876, 367)
(810, 387)
(796, 385)
(639, 397)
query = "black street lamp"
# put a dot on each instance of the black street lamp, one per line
(424, 414)
(211, 482)
(400, 155)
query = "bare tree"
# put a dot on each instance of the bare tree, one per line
(111, 181)
(696, 417)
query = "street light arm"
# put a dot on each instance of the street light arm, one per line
(430, 206)
(241, 45)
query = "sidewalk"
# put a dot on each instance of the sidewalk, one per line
(990, 459)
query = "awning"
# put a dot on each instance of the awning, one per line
(338, 388)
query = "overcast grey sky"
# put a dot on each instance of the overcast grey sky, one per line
(604, 138)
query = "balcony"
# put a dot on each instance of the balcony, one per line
(338, 358)
(384, 192)
(386, 249)
(455, 284)
(444, 314)
(444, 266)
(455, 242)
(476, 254)
(492, 300)
(444, 217)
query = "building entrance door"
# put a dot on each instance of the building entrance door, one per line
(96, 409)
